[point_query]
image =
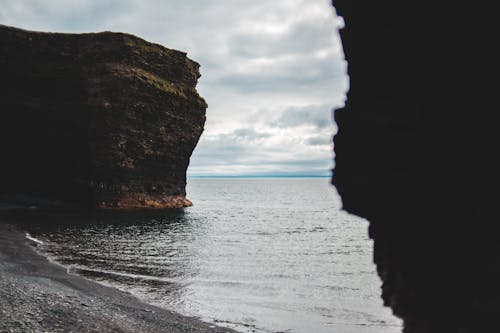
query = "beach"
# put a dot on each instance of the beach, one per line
(293, 264)
(37, 295)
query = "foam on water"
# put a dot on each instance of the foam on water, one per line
(37, 241)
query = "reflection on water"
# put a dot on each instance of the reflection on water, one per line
(254, 254)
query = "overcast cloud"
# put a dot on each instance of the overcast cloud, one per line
(272, 71)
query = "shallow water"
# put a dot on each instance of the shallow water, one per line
(258, 255)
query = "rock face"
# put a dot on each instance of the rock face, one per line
(417, 154)
(102, 120)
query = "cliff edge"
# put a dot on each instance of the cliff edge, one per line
(95, 121)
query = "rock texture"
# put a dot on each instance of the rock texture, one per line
(418, 154)
(101, 120)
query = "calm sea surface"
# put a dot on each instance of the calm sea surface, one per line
(258, 255)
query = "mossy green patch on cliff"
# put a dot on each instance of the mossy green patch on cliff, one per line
(141, 46)
(159, 83)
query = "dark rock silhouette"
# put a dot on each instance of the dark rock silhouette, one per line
(417, 154)
(102, 120)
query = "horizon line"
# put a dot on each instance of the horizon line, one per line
(259, 176)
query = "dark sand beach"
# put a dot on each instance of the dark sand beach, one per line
(39, 296)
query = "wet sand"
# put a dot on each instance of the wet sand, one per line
(39, 296)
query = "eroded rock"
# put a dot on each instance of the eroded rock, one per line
(417, 154)
(101, 120)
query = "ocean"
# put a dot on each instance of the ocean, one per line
(254, 254)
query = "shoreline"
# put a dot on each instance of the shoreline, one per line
(37, 295)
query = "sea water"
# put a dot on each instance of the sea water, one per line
(256, 254)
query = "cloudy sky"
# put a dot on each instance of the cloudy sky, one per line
(272, 71)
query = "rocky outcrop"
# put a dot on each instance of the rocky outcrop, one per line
(417, 154)
(101, 120)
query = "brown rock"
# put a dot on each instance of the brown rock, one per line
(102, 120)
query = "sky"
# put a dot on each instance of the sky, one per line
(272, 72)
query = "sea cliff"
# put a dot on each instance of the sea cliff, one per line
(95, 121)
(417, 154)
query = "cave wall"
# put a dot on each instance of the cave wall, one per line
(417, 154)
(95, 121)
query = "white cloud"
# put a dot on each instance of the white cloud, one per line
(267, 66)
(288, 140)
(310, 115)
